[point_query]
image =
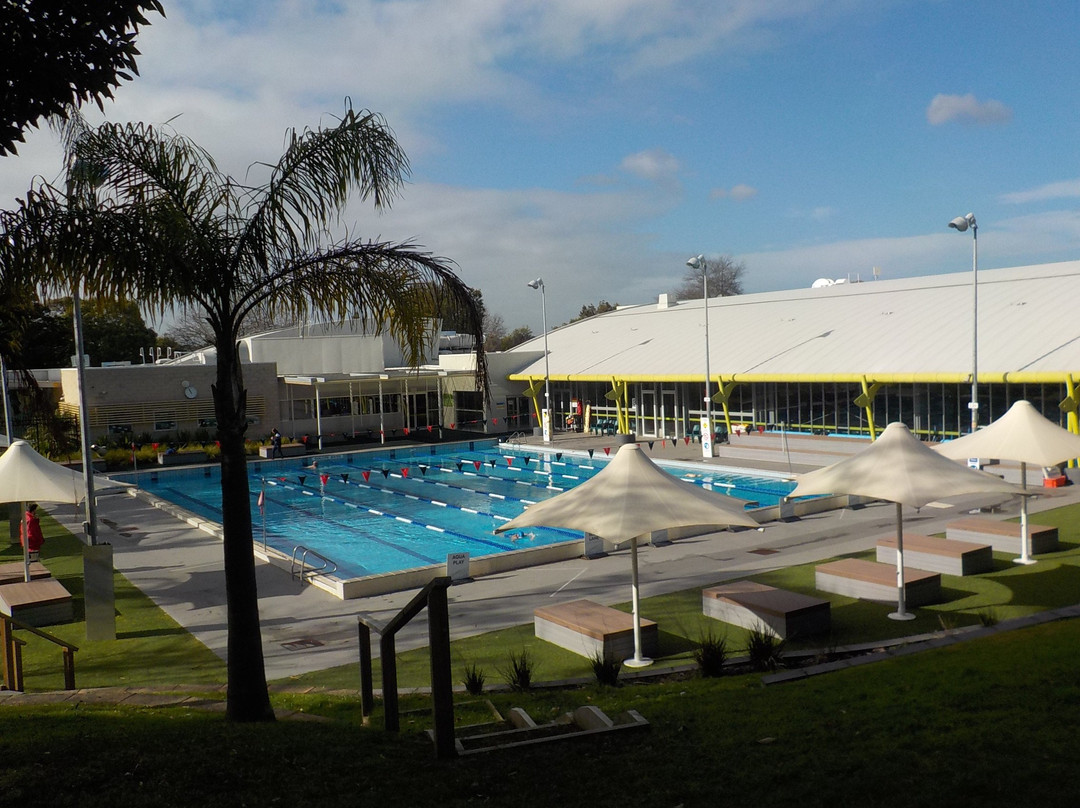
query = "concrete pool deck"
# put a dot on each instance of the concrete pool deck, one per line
(306, 629)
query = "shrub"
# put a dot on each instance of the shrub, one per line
(519, 671)
(711, 654)
(765, 649)
(605, 668)
(988, 616)
(473, 680)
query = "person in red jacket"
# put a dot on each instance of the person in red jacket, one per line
(31, 527)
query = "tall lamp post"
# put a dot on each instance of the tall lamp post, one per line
(698, 262)
(545, 416)
(962, 223)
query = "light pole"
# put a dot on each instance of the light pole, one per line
(698, 262)
(962, 223)
(545, 416)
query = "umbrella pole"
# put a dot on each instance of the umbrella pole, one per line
(1025, 533)
(638, 661)
(25, 544)
(901, 612)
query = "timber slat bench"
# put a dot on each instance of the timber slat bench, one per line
(44, 602)
(287, 450)
(871, 580)
(590, 629)
(949, 556)
(12, 572)
(1003, 536)
(750, 605)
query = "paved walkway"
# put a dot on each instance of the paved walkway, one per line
(305, 629)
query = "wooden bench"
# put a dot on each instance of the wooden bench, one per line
(37, 603)
(751, 605)
(949, 556)
(1003, 536)
(287, 449)
(872, 580)
(12, 572)
(589, 629)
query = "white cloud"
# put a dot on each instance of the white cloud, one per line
(966, 109)
(654, 165)
(1065, 189)
(740, 193)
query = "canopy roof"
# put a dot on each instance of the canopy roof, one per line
(26, 476)
(1021, 434)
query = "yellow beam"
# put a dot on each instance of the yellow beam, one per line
(866, 401)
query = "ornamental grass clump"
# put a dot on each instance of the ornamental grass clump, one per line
(605, 668)
(764, 649)
(473, 679)
(519, 670)
(711, 654)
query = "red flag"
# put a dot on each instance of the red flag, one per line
(429, 428)
(452, 426)
(607, 450)
(510, 461)
(367, 474)
(404, 472)
(406, 430)
(686, 440)
(325, 478)
(477, 464)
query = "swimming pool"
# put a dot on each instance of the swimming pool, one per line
(380, 512)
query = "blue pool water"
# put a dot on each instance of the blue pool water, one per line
(387, 511)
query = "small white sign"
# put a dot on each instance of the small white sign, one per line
(706, 437)
(973, 463)
(594, 546)
(545, 414)
(457, 566)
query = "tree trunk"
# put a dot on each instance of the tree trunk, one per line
(248, 697)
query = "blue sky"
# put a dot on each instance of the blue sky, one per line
(600, 144)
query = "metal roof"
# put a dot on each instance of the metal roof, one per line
(910, 329)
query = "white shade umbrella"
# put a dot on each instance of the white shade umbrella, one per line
(629, 498)
(899, 468)
(26, 476)
(1022, 434)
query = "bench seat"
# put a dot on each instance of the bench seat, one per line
(287, 449)
(12, 572)
(44, 602)
(750, 605)
(1003, 536)
(947, 556)
(872, 580)
(590, 629)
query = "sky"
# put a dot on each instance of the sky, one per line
(599, 144)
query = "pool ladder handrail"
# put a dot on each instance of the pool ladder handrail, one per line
(517, 438)
(329, 566)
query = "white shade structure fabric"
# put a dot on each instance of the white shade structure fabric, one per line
(629, 498)
(1023, 435)
(26, 476)
(899, 468)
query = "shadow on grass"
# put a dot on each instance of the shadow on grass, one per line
(674, 644)
(1053, 586)
(156, 632)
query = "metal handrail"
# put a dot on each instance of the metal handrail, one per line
(329, 566)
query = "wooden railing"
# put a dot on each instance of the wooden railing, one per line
(11, 648)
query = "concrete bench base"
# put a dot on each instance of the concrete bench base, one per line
(12, 572)
(590, 629)
(37, 603)
(871, 580)
(287, 449)
(181, 458)
(1003, 536)
(751, 605)
(947, 556)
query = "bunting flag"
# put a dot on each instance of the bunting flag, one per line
(607, 450)
(282, 479)
(404, 472)
(493, 463)
(406, 430)
(367, 475)
(510, 461)
(262, 498)
(385, 473)
(301, 478)
(423, 470)
(527, 459)
(324, 478)
(155, 445)
(459, 464)
(477, 464)
(650, 445)
(452, 425)
(344, 478)
(686, 440)
(429, 427)
(558, 456)
(591, 453)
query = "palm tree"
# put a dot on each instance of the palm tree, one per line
(167, 227)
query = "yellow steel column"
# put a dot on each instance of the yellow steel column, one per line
(866, 401)
(1069, 406)
(722, 396)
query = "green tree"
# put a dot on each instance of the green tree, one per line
(516, 337)
(63, 52)
(168, 228)
(591, 310)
